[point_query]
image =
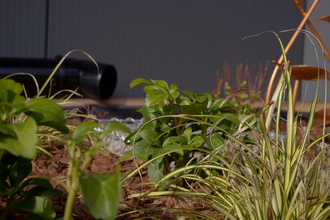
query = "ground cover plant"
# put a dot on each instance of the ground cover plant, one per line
(253, 177)
(181, 122)
(193, 145)
(18, 146)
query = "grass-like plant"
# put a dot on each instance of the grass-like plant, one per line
(258, 178)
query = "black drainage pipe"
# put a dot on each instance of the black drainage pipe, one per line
(71, 75)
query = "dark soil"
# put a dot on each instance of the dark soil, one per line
(106, 162)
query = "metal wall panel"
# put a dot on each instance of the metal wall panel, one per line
(183, 42)
(22, 28)
(308, 89)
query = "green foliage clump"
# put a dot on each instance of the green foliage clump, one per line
(179, 124)
(19, 122)
(103, 198)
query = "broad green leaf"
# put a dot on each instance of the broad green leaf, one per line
(14, 90)
(9, 110)
(20, 170)
(227, 105)
(163, 109)
(190, 95)
(210, 100)
(139, 81)
(83, 129)
(173, 146)
(165, 127)
(192, 109)
(174, 95)
(7, 130)
(6, 109)
(149, 136)
(183, 101)
(217, 140)
(41, 191)
(201, 97)
(157, 152)
(141, 150)
(37, 182)
(214, 120)
(3, 91)
(6, 163)
(175, 139)
(154, 97)
(187, 134)
(103, 198)
(173, 88)
(48, 113)
(42, 187)
(155, 172)
(115, 126)
(130, 138)
(148, 113)
(216, 104)
(26, 139)
(38, 205)
(162, 85)
(196, 141)
(150, 88)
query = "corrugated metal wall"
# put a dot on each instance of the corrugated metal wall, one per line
(183, 42)
(22, 28)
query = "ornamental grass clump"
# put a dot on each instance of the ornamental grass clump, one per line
(256, 177)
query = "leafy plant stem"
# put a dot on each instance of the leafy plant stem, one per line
(72, 190)
(87, 162)
(71, 167)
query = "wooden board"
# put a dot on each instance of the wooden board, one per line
(301, 106)
(111, 102)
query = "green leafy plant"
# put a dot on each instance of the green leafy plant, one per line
(259, 178)
(13, 173)
(101, 192)
(184, 122)
(19, 122)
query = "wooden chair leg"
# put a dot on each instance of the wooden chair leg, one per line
(288, 47)
(311, 26)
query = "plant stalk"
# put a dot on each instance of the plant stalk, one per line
(72, 191)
